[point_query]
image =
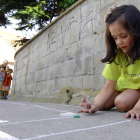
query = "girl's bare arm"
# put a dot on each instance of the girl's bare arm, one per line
(104, 95)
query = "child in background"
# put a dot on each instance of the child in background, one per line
(2, 77)
(7, 82)
(122, 71)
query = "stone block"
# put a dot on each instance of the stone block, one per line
(88, 82)
(74, 51)
(25, 51)
(59, 84)
(19, 56)
(86, 28)
(87, 45)
(31, 88)
(31, 57)
(17, 90)
(50, 86)
(52, 33)
(74, 82)
(63, 67)
(59, 26)
(73, 18)
(69, 68)
(39, 89)
(74, 33)
(66, 37)
(38, 41)
(36, 75)
(60, 55)
(32, 46)
(52, 58)
(43, 50)
(24, 90)
(58, 41)
(44, 87)
(98, 65)
(87, 64)
(107, 3)
(47, 73)
(53, 44)
(47, 60)
(77, 66)
(35, 65)
(99, 44)
(18, 74)
(18, 82)
(45, 36)
(30, 77)
(55, 71)
(41, 63)
(97, 25)
(86, 11)
(19, 64)
(41, 75)
(24, 71)
(99, 81)
(23, 80)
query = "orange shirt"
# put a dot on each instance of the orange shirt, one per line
(7, 80)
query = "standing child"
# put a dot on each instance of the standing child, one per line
(122, 71)
(2, 77)
(7, 82)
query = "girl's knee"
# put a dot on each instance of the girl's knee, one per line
(122, 104)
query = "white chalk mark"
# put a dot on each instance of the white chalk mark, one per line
(49, 108)
(12, 103)
(4, 136)
(68, 114)
(77, 130)
(2, 121)
(34, 121)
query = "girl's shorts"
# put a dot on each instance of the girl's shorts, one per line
(6, 87)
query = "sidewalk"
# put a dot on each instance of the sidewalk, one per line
(44, 121)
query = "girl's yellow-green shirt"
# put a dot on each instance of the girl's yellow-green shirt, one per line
(126, 76)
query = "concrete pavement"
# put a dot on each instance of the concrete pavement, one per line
(45, 121)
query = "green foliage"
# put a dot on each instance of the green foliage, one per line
(65, 4)
(31, 15)
(31, 12)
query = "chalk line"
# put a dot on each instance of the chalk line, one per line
(35, 121)
(35, 106)
(4, 136)
(49, 108)
(77, 130)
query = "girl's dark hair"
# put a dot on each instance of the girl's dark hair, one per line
(129, 17)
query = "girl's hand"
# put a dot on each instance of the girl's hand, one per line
(134, 113)
(88, 107)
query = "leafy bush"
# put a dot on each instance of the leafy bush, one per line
(65, 4)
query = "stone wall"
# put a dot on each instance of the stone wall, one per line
(65, 55)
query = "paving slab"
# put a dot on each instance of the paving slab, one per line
(45, 121)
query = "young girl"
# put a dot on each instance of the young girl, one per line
(2, 77)
(122, 71)
(7, 83)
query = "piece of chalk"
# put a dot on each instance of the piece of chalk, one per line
(76, 116)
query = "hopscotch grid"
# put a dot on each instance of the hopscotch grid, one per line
(77, 130)
(53, 134)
